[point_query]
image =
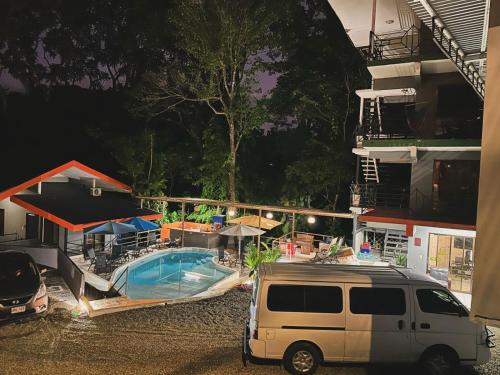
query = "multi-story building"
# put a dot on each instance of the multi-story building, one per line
(419, 138)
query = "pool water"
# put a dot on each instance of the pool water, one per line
(175, 274)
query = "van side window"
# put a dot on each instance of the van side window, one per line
(377, 301)
(305, 298)
(435, 301)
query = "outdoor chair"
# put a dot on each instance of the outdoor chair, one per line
(328, 245)
(91, 256)
(321, 255)
(101, 264)
(226, 258)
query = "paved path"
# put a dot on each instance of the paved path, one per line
(195, 338)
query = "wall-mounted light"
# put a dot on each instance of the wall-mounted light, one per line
(231, 212)
(269, 215)
(311, 219)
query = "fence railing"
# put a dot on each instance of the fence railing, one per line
(133, 240)
(379, 195)
(116, 286)
(394, 45)
(317, 238)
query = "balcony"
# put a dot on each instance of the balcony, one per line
(379, 195)
(411, 44)
(409, 122)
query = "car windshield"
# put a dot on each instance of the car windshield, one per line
(17, 274)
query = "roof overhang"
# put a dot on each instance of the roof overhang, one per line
(71, 226)
(406, 154)
(72, 170)
(410, 223)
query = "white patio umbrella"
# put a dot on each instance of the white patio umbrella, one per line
(240, 231)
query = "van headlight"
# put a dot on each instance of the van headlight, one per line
(42, 291)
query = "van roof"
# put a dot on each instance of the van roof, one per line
(341, 273)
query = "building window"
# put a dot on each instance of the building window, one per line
(305, 298)
(377, 301)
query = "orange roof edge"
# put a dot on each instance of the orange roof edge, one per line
(70, 226)
(412, 222)
(73, 163)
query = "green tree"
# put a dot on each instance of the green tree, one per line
(319, 93)
(221, 44)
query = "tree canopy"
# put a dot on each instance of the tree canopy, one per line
(168, 94)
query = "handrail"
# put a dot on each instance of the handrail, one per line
(451, 49)
(124, 272)
(394, 44)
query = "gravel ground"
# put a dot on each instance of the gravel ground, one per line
(196, 338)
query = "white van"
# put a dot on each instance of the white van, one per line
(306, 314)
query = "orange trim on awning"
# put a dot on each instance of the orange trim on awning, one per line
(16, 189)
(413, 222)
(70, 226)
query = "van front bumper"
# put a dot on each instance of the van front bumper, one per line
(483, 354)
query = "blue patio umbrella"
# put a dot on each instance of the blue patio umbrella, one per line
(142, 225)
(112, 228)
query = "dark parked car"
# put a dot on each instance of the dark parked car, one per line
(22, 290)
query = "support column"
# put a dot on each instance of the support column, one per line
(354, 230)
(258, 237)
(183, 213)
(293, 225)
(65, 241)
(486, 283)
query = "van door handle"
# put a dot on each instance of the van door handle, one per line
(401, 324)
(425, 325)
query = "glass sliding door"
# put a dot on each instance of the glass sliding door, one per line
(450, 261)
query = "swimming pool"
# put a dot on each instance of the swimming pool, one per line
(172, 274)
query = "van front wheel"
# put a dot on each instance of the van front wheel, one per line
(301, 358)
(439, 363)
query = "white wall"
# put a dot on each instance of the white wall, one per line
(15, 218)
(417, 255)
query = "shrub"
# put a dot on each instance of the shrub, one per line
(401, 260)
(254, 258)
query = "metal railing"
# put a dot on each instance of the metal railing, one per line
(379, 195)
(140, 240)
(317, 238)
(394, 45)
(455, 54)
(386, 121)
(124, 285)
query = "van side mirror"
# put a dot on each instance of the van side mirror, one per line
(462, 313)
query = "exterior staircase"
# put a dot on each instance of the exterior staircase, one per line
(370, 169)
(443, 38)
(395, 243)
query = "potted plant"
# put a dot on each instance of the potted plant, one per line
(355, 195)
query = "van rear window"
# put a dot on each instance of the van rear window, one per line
(377, 301)
(305, 298)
